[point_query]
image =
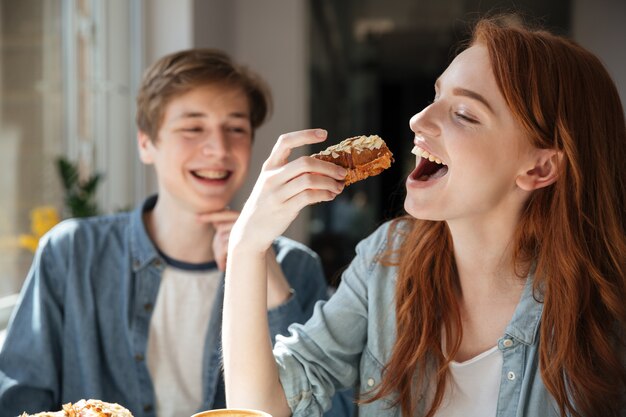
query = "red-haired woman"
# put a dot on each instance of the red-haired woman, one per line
(501, 294)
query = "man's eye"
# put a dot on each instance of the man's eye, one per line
(193, 129)
(237, 130)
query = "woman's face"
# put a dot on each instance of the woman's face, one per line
(476, 147)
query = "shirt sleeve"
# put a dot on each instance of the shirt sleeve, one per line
(31, 354)
(303, 270)
(323, 355)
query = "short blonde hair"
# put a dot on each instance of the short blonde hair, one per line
(182, 71)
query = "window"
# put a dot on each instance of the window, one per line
(69, 70)
(31, 128)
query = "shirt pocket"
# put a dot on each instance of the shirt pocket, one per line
(371, 376)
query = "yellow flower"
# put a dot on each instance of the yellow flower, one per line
(42, 219)
(29, 242)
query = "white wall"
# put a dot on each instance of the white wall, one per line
(600, 26)
(168, 27)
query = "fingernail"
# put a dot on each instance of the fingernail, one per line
(320, 133)
(342, 172)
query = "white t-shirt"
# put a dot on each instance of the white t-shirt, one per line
(473, 386)
(176, 338)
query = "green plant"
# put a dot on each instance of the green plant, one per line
(80, 195)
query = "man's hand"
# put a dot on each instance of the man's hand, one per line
(223, 222)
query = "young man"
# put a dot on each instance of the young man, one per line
(127, 308)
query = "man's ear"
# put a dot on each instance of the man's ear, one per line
(145, 146)
(543, 172)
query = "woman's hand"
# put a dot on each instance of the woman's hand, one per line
(281, 191)
(284, 188)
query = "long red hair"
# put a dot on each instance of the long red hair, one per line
(574, 231)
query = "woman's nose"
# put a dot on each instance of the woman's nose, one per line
(425, 122)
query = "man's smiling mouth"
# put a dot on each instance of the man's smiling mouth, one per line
(429, 167)
(208, 174)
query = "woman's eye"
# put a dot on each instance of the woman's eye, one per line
(465, 118)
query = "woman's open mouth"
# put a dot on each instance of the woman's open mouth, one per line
(429, 167)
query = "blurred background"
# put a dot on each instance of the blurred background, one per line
(69, 71)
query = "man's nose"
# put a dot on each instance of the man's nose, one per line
(215, 144)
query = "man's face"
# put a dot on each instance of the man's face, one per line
(202, 150)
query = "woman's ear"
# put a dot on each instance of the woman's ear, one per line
(543, 172)
(145, 146)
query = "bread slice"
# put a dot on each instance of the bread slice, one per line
(362, 156)
(86, 408)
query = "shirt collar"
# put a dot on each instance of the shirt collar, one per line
(142, 249)
(525, 322)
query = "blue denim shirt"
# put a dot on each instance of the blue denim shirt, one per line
(350, 338)
(80, 329)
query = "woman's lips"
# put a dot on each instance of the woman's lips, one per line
(429, 167)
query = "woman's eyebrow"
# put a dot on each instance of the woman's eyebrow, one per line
(458, 91)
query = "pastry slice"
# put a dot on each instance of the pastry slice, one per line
(362, 156)
(86, 408)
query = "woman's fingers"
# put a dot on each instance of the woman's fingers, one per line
(289, 141)
(284, 188)
(308, 182)
(306, 164)
(308, 197)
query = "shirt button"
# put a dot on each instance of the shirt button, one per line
(158, 263)
(507, 343)
(139, 357)
(510, 375)
(147, 408)
(370, 382)
(147, 306)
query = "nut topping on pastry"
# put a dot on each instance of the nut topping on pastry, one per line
(362, 156)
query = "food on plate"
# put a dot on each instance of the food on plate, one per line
(86, 408)
(232, 412)
(362, 156)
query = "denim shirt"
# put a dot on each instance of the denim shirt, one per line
(350, 338)
(80, 328)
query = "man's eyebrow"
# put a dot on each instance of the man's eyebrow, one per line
(191, 114)
(458, 91)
